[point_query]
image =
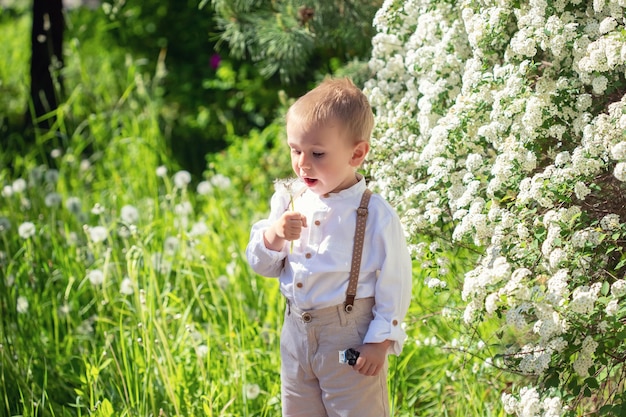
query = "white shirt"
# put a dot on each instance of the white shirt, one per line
(316, 273)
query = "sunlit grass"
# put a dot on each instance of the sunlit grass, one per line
(124, 290)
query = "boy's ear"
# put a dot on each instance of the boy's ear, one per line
(359, 153)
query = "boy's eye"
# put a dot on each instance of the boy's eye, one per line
(295, 151)
(318, 154)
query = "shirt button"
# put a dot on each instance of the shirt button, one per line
(308, 255)
(299, 285)
(317, 222)
(395, 322)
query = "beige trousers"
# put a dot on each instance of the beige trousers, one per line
(314, 383)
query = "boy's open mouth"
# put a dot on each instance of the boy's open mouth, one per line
(310, 181)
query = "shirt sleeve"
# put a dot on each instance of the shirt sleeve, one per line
(262, 260)
(393, 287)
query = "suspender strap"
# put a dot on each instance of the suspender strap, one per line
(359, 236)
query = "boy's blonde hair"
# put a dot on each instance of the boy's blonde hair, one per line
(335, 100)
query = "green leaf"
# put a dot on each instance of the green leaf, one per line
(605, 288)
(105, 409)
(592, 383)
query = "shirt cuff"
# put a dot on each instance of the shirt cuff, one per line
(381, 330)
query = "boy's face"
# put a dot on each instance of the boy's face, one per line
(324, 157)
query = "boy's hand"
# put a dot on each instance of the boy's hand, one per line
(288, 227)
(372, 358)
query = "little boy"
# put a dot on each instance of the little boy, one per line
(311, 243)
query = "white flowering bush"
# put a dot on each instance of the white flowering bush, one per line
(501, 127)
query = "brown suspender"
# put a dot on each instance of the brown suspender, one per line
(357, 251)
(359, 236)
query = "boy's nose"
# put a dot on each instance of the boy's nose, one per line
(303, 161)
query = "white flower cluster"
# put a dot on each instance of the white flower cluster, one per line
(504, 126)
(529, 404)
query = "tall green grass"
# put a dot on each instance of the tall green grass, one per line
(133, 297)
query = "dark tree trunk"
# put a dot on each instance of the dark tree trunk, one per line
(47, 57)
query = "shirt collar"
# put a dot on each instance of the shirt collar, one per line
(348, 193)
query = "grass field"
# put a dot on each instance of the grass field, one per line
(124, 289)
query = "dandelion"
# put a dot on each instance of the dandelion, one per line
(251, 391)
(56, 153)
(5, 224)
(53, 200)
(182, 179)
(65, 309)
(123, 232)
(161, 171)
(204, 188)
(220, 181)
(183, 209)
(51, 176)
(287, 187)
(98, 234)
(202, 351)
(171, 244)
(19, 185)
(161, 265)
(223, 282)
(85, 165)
(97, 209)
(126, 287)
(96, 277)
(7, 191)
(74, 205)
(129, 214)
(26, 230)
(22, 304)
(198, 229)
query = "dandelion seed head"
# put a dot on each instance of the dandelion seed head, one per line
(161, 171)
(56, 153)
(223, 282)
(98, 234)
(220, 181)
(251, 391)
(123, 232)
(53, 200)
(126, 287)
(5, 224)
(171, 245)
(202, 351)
(198, 229)
(22, 304)
(182, 179)
(129, 214)
(73, 205)
(204, 188)
(19, 185)
(26, 230)
(85, 165)
(97, 209)
(51, 176)
(96, 277)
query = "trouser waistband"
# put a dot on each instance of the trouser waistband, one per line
(330, 314)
